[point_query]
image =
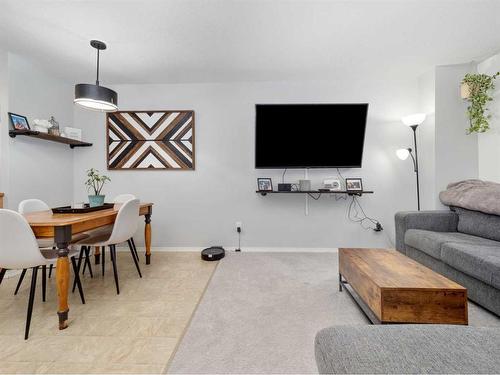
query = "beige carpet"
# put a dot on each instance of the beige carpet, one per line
(135, 332)
(261, 312)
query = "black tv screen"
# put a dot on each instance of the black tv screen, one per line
(310, 135)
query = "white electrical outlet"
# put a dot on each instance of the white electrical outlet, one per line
(239, 224)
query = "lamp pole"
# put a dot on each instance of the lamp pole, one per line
(414, 128)
(413, 121)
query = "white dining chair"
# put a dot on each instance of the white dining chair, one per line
(123, 229)
(19, 250)
(36, 205)
(119, 199)
(122, 198)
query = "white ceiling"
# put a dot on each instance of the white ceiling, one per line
(243, 40)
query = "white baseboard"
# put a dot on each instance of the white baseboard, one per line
(244, 249)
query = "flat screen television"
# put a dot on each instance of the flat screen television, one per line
(310, 135)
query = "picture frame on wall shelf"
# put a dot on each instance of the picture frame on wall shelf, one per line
(353, 185)
(265, 184)
(18, 122)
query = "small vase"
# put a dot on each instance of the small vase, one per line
(96, 200)
(465, 91)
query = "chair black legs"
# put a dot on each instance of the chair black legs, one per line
(80, 257)
(30, 301)
(103, 258)
(87, 261)
(77, 279)
(44, 282)
(115, 271)
(20, 281)
(135, 248)
(85, 258)
(133, 252)
(2, 274)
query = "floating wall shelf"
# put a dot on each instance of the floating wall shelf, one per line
(72, 143)
(358, 193)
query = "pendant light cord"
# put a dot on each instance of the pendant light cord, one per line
(97, 80)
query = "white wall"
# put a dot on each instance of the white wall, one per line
(36, 168)
(4, 123)
(427, 140)
(456, 152)
(489, 142)
(200, 208)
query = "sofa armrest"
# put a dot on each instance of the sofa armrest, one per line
(437, 221)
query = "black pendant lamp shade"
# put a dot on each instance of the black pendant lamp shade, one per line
(96, 97)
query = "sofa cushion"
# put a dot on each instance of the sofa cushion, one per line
(478, 224)
(479, 261)
(430, 242)
(408, 349)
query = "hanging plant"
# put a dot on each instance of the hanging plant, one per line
(476, 89)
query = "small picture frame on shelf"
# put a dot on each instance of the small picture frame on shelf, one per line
(265, 184)
(18, 122)
(353, 185)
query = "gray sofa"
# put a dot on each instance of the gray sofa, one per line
(408, 349)
(460, 244)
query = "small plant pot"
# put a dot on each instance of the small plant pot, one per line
(96, 200)
(465, 91)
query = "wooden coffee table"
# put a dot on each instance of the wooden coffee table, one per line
(392, 288)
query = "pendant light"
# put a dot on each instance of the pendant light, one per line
(96, 97)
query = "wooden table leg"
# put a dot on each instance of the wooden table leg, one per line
(97, 255)
(62, 238)
(147, 236)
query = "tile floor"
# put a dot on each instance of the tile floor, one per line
(135, 332)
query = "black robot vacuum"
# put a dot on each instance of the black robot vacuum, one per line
(213, 253)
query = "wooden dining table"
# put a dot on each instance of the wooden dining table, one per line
(62, 227)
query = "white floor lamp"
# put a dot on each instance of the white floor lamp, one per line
(412, 121)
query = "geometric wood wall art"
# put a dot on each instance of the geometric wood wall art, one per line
(150, 140)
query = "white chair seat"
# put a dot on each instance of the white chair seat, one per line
(99, 231)
(95, 239)
(49, 242)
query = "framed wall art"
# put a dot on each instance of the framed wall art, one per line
(150, 140)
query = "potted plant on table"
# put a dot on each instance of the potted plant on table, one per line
(476, 90)
(95, 183)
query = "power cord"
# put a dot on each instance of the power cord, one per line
(283, 176)
(356, 214)
(313, 197)
(339, 197)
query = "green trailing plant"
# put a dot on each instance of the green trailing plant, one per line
(95, 181)
(479, 86)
